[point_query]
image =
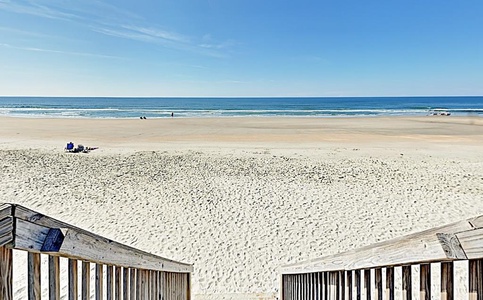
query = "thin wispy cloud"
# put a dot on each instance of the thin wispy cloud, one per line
(103, 18)
(34, 49)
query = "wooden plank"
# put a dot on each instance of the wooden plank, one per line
(33, 262)
(414, 248)
(6, 210)
(390, 283)
(6, 273)
(73, 279)
(349, 284)
(132, 284)
(110, 283)
(475, 287)
(378, 284)
(125, 283)
(425, 282)
(138, 284)
(118, 282)
(447, 281)
(99, 282)
(451, 246)
(86, 280)
(84, 245)
(358, 284)
(6, 231)
(367, 284)
(406, 283)
(341, 284)
(477, 222)
(472, 243)
(54, 277)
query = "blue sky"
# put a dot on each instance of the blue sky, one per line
(241, 48)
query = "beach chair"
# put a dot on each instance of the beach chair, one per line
(69, 147)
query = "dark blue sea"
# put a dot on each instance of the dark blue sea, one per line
(98, 107)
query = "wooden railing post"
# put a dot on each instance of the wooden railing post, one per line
(358, 284)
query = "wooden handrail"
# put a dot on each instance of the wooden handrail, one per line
(24, 229)
(456, 241)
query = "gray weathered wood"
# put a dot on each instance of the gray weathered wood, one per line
(125, 283)
(110, 283)
(84, 245)
(52, 241)
(472, 243)
(6, 231)
(390, 283)
(6, 274)
(118, 284)
(54, 278)
(33, 276)
(132, 284)
(475, 287)
(451, 246)
(406, 283)
(378, 284)
(358, 284)
(86, 281)
(367, 283)
(447, 281)
(414, 248)
(73, 279)
(425, 282)
(99, 282)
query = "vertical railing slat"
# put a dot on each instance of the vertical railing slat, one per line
(389, 283)
(73, 279)
(138, 284)
(406, 283)
(425, 282)
(125, 283)
(475, 277)
(110, 283)
(358, 284)
(54, 277)
(33, 276)
(378, 284)
(349, 285)
(6, 273)
(447, 281)
(86, 280)
(99, 282)
(367, 283)
(117, 286)
(132, 284)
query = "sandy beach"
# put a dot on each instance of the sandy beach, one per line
(238, 197)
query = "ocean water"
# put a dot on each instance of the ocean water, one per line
(99, 107)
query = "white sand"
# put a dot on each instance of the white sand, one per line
(239, 197)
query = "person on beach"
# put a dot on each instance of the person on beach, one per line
(172, 114)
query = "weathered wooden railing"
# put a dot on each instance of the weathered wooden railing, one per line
(369, 272)
(121, 272)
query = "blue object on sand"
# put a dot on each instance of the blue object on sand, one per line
(70, 146)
